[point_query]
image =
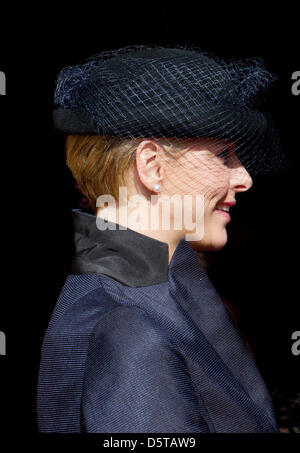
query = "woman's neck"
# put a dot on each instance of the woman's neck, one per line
(169, 235)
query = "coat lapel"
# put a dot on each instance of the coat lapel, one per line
(212, 338)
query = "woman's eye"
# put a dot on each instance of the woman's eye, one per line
(225, 154)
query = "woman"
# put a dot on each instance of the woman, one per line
(160, 141)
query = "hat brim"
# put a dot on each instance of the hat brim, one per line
(246, 128)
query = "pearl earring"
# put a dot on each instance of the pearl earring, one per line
(156, 187)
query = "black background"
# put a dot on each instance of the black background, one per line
(258, 268)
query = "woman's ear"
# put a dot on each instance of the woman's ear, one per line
(150, 164)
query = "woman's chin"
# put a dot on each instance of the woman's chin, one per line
(214, 243)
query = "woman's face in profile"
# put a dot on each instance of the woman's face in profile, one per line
(209, 168)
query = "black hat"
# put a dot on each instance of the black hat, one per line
(172, 92)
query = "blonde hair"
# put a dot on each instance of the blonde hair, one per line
(100, 164)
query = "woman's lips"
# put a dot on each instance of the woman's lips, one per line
(224, 213)
(224, 208)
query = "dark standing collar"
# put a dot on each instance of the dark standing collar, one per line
(132, 258)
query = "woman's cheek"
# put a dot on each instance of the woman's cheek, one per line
(223, 182)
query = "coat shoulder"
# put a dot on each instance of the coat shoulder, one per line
(131, 326)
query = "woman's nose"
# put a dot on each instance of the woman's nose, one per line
(240, 179)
